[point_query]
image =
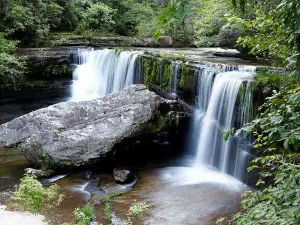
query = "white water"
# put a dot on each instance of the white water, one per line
(174, 79)
(100, 72)
(224, 102)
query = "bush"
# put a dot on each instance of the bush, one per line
(135, 210)
(30, 21)
(11, 67)
(266, 82)
(208, 22)
(271, 31)
(277, 150)
(97, 17)
(84, 215)
(31, 196)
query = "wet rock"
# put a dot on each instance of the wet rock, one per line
(122, 175)
(72, 134)
(87, 174)
(93, 189)
(95, 223)
(53, 179)
(165, 41)
(39, 173)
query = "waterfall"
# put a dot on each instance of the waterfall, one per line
(100, 72)
(174, 78)
(224, 101)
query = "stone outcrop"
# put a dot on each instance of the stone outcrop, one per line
(39, 173)
(53, 62)
(80, 133)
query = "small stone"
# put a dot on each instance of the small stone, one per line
(122, 175)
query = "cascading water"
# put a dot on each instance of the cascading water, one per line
(224, 101)
(101, 72)
(174, 79)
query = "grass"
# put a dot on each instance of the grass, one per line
(107, 199)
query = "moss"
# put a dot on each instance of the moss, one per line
(68, 164)
(149, 66)
(157, 71)
(47, 164)
(187, 78)
(166, 76)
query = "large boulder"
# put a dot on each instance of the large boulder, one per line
(80, 133)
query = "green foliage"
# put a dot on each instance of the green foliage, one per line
(277, 203)
(271, 29)
(71, 15)
(266, 83)
(176, 22)
(265, 36)
(175, 11)
(278, 126)
(84, 215)
(135, 210)
(33, 197)
(97, 17)
(210, 20)
(11, 67)
(107, 199)
(277, 148)
(30, 21)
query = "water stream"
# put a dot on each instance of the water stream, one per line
(220, 111)
(100, 72)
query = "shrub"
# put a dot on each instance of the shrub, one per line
(84, 215)
(31, 196)
(11, 67)
(208, 22)
(135, 210)
(266, 82)
(97, 17)
(277, 150)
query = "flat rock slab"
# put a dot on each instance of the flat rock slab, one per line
(80, 133)
(20, 218)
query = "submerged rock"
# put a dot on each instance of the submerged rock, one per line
(122, 175)
(72, 134)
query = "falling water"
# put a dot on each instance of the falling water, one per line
(174, 79)
(101, 72)
(224, 101)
